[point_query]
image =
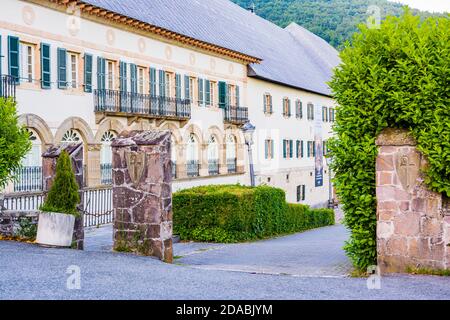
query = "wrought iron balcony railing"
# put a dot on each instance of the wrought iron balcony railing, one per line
(7, 87)
(115, 101)
(236, 115)
(232, 165)
(192, 168)
(213, 167)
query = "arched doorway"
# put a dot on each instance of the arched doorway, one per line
(213, 156)
(231, 152)
(106, 157)
(29, 176)
(192, 163)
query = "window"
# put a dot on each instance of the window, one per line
(301, 192)
(310, 111)
(169, 84)
(191, 88)
(110, 75)
(173, 156)
(286, 107)
(73, 71)
(71, 136)
(213, 156)
(269, 154)
(288, 149)
(213, 94)
(231, 153)
(311, 149)
(299, 148)
(106, 157)
(232, 95)
(192, 165)
(298, 109)
(141, 80)
(27, 62)
(29, 176)
(268, 109)
(331, 116)
(324, 114)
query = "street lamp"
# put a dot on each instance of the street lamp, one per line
(330, 190)
(248, 129)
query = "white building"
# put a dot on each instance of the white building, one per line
(87, 70)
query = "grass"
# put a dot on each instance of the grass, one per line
(430, 272)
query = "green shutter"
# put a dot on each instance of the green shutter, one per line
(302, 149)
(200, 92)
(266, 149)
(123, 76)
(237, 96)
(178, 86)
(13, 58)
(207, 92)
(298, 193)
(101, 76)
(289, 108)
(45, 66)
(162, 83)
(314, 148)
(303, 192)
(308, 151)
(284, 149)
(87, 72)
(187, 89)
(222, 94)
(62, 68)
(297, 149)
(133, 77)
(265, 103)
(291, 148)
(153, 84)
(271, 149)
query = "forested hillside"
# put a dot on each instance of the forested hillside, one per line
(333, 20)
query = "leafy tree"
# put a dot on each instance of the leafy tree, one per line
(63, 196)
(14, 141)
(396, 76)
(333, 20)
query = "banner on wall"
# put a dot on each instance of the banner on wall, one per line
(318, 158)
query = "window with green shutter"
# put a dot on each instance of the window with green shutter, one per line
(284, 148)
(13, 58)
(62, 68)
(123, 76)
(238, 98)
(133, 78)
(87, 72)
(153, 84)
(291, 149)
(178, 86)
(302, 154)
(187, 88)
(314, 148)
(201, 92)
(45, 66)
(162, 83)
(207, 92)
(223, 94)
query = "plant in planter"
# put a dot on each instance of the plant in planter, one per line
(57, 219)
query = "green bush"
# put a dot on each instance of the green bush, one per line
(14, 141)
(396, 76)
(233, 213)
(63, 196)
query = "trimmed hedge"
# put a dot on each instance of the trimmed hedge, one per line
(233, 213)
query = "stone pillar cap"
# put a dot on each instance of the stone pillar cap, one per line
(55, 150)
(395, 137)
(141, 137)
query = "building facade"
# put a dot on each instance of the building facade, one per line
(84, 72)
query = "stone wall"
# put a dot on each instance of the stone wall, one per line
(142, 193)
(413, 223)
(10, 222)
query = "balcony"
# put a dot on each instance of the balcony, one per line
(236, 115)
(119, 103)
(7, 87)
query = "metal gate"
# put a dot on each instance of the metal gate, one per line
(97, 204)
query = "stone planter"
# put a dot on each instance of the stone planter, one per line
(55, 229)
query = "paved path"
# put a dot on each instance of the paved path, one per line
(28, 271)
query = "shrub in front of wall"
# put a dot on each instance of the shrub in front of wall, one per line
(233, 213)
(395, 76)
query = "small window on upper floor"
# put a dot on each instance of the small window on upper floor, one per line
(310, 111)
(27, 62)
(141, 80)
(110, 74)
(73, 70)
(268, 108)
(286, 107)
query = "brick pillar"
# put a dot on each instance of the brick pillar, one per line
(413, 224)
(49, 159)
(142, 193)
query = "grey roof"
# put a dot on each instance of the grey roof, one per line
(287, 59)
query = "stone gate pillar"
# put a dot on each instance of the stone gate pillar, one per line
(49, 159)
(413, 223)
(142, 193)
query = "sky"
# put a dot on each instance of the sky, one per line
(427, 5)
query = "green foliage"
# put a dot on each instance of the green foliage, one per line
(14, 141)
(63, 196)
(397, 76)
(27, 229)
(233, 213)
(333, 20)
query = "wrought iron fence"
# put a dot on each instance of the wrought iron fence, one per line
(232, 165)
(28, 179)
(106, 173)
(192, 168)
(213, 167)
(7, 87)
(142, 104)
(238, 115)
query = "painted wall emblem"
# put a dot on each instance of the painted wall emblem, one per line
(136, 163)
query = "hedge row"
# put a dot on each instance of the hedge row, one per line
(233, 213)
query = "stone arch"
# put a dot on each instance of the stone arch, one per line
(108, 125)
(240, 147)
(174, 130)
(78, 124)
(193, 128)
(220, 139)
(38, 125)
